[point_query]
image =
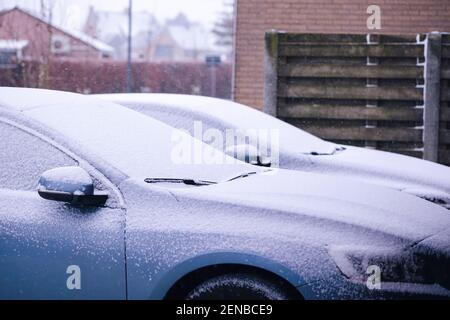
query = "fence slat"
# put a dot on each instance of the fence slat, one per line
(444, 156)
(363, 134)
(311, 38)
(431, 98)
(306, 38)
(271, 72)
(351, 92)
(349, 71)
(445, 95)
(446, 38)
(411, 153)
(445, 114)
(445, 73)
(378, 51)
(349, 112)
(446, 51)
(444, 136)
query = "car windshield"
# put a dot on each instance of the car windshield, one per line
(228, 114)
(152, 148)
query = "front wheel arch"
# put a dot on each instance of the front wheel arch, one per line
(188, 282)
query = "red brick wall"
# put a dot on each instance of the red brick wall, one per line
(254, 17)
(18, 25)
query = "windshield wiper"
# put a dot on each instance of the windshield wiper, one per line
(244, 175)
(189, 182)
(336, 149)
(194, 182)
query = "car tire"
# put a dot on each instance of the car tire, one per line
(240, 286)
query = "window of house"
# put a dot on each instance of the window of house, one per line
(7, 57)
(164, 52)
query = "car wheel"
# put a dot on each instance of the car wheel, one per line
(239, 286)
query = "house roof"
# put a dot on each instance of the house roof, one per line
(97, 44)
(94, 43)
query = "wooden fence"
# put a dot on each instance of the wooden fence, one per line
(443, 113)
(389, 92)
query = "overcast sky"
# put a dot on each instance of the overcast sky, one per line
(72, 13)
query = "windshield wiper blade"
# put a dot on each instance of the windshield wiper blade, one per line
(336, 149)
(190, 182)
(194, 182)
(244, 175)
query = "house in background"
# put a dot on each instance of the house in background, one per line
(111, 27)
(27, 35)
(319, 16)
(175, 40)
(183, 40)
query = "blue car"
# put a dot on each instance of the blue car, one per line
(98, 201)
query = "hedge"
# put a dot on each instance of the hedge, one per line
(110, 77)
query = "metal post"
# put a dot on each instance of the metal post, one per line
(432, 97)
(213, 80)
(271, 73)
(213, 63)
(129, 67)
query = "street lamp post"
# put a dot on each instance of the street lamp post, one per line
(213, 63)
(129, 67)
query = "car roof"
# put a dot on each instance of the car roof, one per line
(23, 99)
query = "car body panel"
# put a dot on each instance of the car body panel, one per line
(41, 239)
(184, 223)
(419, 177)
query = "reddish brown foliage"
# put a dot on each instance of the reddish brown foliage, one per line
(109, 77)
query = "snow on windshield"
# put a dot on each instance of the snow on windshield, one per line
(230, 114)
(134, 144)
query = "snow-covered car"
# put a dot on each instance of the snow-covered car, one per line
(297, 149)
(93, 206)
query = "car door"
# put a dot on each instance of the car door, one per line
(52, 250)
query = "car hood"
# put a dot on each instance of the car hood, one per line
(329, 201)
(425, 179)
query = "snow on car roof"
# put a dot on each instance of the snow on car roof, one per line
(23, 99)
(230, 114)
(136, 145)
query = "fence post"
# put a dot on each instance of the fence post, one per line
(432, 96)
(271, 72)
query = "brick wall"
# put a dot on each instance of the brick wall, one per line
(254, 17)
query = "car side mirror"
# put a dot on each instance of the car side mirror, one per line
(249, 154)
(72, 185)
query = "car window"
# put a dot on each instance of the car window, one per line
(24, 157)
